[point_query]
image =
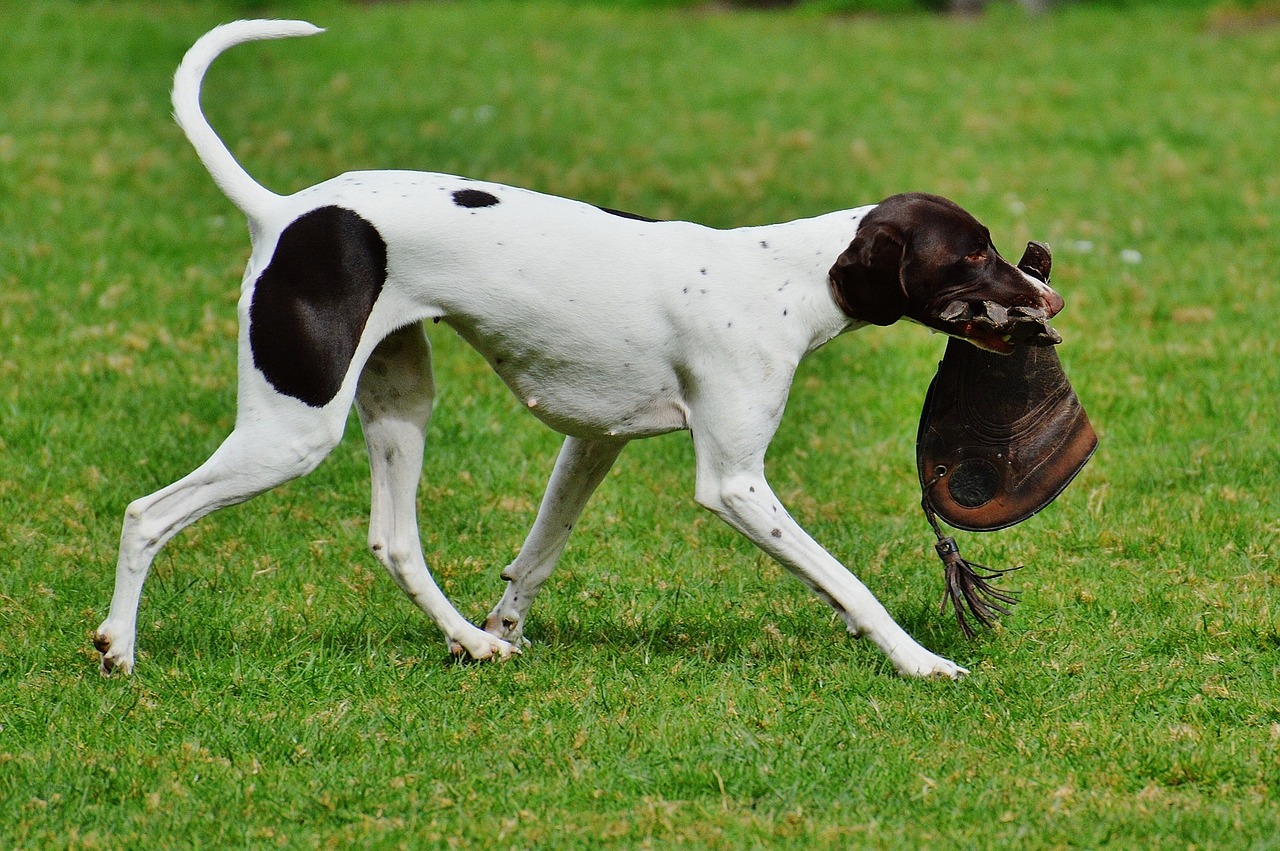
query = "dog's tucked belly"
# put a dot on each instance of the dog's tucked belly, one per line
(589, 393)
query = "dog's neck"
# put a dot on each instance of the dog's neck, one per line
(800, 254)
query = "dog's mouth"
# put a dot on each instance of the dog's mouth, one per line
(996, 328)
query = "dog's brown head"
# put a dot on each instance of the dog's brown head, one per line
(925, 258)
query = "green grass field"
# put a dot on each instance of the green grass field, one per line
(682, 690)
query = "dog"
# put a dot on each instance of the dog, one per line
(608, 327)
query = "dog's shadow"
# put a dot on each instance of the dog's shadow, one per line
(775, 635)
(936, 628)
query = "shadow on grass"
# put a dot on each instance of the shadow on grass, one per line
(709, 632)
(937, 630)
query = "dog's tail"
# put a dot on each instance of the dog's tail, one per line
(245, 192)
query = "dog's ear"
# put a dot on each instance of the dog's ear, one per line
(866, 280)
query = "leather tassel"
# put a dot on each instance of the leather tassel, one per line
(969, 587)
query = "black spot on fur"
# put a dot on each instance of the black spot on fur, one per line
(625, 215)
(472, 198)
(311, 303)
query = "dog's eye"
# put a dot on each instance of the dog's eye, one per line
(979, 256)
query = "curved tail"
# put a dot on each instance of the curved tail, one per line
(245, 192)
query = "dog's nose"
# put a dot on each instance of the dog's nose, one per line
(1052, 302)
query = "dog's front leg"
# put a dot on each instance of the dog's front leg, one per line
(730, 442)
(579, 469)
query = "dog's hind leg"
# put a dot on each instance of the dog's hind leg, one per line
(261, 453)
(580, 468)
(394, 399)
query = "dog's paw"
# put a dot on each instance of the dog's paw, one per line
(926, 665)
(480, 646)
(918, 662)
(507, 627)
(116, 650)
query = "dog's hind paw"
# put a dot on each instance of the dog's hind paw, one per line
(509, 627)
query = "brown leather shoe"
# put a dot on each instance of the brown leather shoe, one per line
(1000, 437)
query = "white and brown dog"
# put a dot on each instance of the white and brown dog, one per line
(607, 327)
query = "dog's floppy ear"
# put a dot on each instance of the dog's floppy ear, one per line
(866, 280)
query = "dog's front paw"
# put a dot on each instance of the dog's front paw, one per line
(116, 650)
(479, 645)
(930, 666)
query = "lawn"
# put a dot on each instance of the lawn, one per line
(681, 690)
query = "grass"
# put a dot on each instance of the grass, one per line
(681, 690)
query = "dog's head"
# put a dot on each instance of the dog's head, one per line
(925, 258)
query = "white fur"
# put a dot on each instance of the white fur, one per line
(606, 328)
